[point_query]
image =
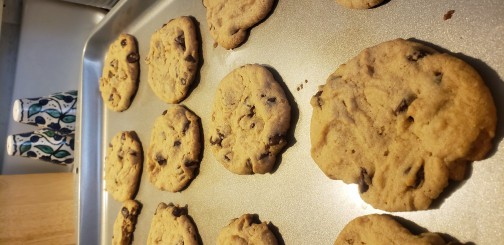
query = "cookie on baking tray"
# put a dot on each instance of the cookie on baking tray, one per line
(124, 225)
(379, 229)
(173, 59)
(247, 229)
(172, 225)
(123, 165)
(359, 4)
(401, 119)
(229, 21)
(250, 119)
(174, 150)
(119, 80)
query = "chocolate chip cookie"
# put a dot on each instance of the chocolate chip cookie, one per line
(119, 80)
(383, 230)
(250, 119)
(173, 59)
(174, 151)
(229, 21)
(123, 164)
(359, 4)
(124, 225)
(247, 229)
(401, 119)
(172, 225)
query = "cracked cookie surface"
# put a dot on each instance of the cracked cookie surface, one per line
(125, 222)
(174, 149)
(383, 230)
(173, 59)
(172, 225)
(123, 164)
(119, 80)
(359, 4)
(247, 229)
(401, 119)
(250, 119)
(229, 20)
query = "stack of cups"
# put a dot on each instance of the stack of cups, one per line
(55, 117)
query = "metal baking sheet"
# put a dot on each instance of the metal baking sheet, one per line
(301, 40)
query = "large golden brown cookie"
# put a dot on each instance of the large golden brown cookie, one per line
(400, 119)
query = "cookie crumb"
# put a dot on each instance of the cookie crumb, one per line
(448, 14)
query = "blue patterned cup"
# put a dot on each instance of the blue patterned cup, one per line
(43, 144)
(56, 111)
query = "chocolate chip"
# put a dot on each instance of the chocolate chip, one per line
(420, 177)
(407, 170)
(132, 57)
(417, 54)
(186, 127)
(217, 141)
(252, 125)
(403, 106)
(272, 100)
(177, 212)
(160, 159)
(252, 111)
(183, 81)
(123, 42)
(320, 102)
(180, 40)
(190, 58)
(364, 181)
(438, 77)
(164, 112)
(125, 212)
(190, 164)
(263, 95)
(264, 155)
(176, 143)
(411, 119)
(275, 139)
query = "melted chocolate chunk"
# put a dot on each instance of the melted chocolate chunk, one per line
(164, 112)
(364, 181)
(177, 212)
(125, 212)
(176, 143)
(190, 58)
(417, 55)
(160, 160)
(191, 164)
(132, 57)
(403, 106)
(252, 111)
(180, 40)
(123, 42)
(275, 140)
(272, 100)
(420, 177)
(438, 77)
(186, 127)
